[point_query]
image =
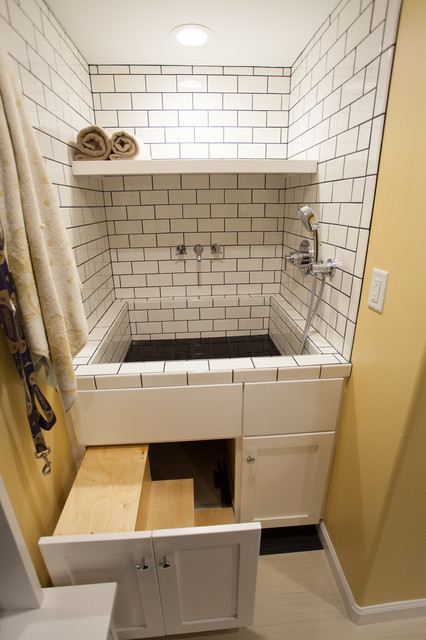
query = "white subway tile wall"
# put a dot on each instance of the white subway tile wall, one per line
(196, 112)
(56, 83)
(339, 88)
(149, 216)
(199, 317)
(329, 106)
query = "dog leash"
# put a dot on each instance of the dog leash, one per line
(10, 320)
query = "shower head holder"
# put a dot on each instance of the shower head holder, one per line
(309, 220)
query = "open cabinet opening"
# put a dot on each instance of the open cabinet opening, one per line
(207, 468)
(145, 487)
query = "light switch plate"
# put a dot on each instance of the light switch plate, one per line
(378, 289)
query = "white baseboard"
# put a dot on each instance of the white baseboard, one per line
(372, 613)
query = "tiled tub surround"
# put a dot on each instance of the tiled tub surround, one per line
(338, 97)
(329, 106)
(100, 365)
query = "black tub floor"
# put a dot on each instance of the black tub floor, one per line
(200, 348)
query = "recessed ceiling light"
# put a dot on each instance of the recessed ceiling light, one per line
(191, 35)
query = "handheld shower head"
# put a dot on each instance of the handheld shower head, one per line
(309, 220)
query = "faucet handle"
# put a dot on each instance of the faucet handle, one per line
(215, 248)
(181, 250)
(327, 268)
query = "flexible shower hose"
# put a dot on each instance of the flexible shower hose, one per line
(312, 311)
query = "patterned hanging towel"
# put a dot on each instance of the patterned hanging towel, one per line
(9, 319)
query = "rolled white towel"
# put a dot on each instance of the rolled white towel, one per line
(93, 143)
(127, 147)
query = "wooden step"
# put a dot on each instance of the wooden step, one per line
(209, 517)
(171, 504)
(106, 495)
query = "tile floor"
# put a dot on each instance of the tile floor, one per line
(297, 599)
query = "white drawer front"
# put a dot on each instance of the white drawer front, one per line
(125, 416)
(273, 408)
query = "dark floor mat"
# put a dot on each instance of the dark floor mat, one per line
(289, 540)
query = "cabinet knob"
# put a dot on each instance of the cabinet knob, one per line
(164, 564)
(250, 459)
(142, 565)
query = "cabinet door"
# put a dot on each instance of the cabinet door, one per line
(207, 576)
(284, 478)
(125, 558)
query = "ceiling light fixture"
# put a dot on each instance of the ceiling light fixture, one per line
(191, 35)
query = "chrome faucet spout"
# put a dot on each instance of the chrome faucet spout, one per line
(198, 250)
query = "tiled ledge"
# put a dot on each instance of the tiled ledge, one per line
(119, 375)
(200, 372)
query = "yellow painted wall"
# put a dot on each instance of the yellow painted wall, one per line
(375, 511)
(36, 499)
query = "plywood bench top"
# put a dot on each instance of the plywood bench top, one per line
(106, 493)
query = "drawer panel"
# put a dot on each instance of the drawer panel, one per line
(125, 416)
(273, 408)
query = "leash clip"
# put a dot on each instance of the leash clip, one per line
(47, 468)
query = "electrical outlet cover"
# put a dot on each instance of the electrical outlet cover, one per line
(378, 289)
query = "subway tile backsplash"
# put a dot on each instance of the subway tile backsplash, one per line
(329, 106)
(243, 216)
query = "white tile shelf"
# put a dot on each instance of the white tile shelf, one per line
(156, 167)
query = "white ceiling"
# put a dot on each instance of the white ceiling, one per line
(246, 32)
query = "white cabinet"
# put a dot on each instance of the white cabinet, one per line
(170, 581)
(211, 580)
(284, 478)
(101, 558)
(288, 443)
(69, 613)
(116, 526)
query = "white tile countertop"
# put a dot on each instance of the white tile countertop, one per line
(218, 371)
